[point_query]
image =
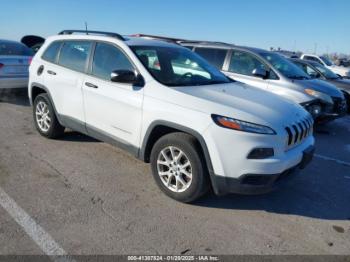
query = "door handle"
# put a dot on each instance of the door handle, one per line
(51, 72)
(90, 85)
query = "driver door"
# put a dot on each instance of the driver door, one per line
(241, 67)
(112, 110)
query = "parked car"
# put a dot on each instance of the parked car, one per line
(14, 63)
(34, 42)
(274, 73)
(196, 127)
(316, 70)
(340, 70)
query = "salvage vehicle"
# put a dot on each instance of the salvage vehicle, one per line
(14, 63)
(273, 72)
(323, 60)
(167, 106)
(34, 42)
(316, 70)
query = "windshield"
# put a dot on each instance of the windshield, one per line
(326, 72)
(12, 49)
(177, 66)
(326, 61)
(285, 67)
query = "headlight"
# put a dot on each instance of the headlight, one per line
(319, 95)
(240, 125)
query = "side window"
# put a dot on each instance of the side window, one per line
(214, 56)
(311, 58)
(51, 52)
(74, 55)
(108, 58)
(244, 63)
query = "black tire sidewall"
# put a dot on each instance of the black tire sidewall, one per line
(51, 132)
(189, 147)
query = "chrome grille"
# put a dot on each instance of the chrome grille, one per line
(298, 131)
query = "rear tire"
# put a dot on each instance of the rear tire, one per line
(45, 119)
(178, 167)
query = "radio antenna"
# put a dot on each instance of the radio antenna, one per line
(86, 28)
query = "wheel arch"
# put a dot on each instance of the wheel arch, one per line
(37, 89)
(160, 128)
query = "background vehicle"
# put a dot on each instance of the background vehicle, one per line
(316, 70)
(14, 62)
(340, 70)
(168, 106)
(274, 73)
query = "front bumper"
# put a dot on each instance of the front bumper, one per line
(253, 184)
(328, 112)
(332, 112)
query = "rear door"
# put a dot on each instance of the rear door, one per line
(64, 78)
(112, 109)
(241, 66)
(214, 56)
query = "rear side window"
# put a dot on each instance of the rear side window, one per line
(311, 58)
(74, 55)
(108, 58)
(13, 48)
(214, 56)
(244, 63)
(51, 52)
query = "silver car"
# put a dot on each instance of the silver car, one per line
(273, 72)
(15, 58)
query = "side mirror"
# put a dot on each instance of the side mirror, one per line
(127, 77)
(258, 72)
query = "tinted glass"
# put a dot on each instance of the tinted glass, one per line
(178, 66)
(244, 63)
(284, 66)
(311, 58)
(12, 49)
(326, 72)
(51, 52)
(108, 58)
(326, 61)
(308, 70)
(74, 54)
(214, 56)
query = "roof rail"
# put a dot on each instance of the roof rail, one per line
(70, 32)
(156, 37)
(204, 42)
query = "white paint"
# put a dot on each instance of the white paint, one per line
(333, 159)
(46, 243)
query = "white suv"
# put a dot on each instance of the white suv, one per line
(167, 106)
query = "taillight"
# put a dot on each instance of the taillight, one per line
(1, 65)
(30, 60)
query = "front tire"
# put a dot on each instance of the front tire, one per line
(178, 167)
(45, 119)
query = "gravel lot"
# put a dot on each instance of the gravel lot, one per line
(92, 198)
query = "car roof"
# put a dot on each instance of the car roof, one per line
(127, 40)
(10, 41)
(210, 44)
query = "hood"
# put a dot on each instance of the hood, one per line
(340, 83)
(245, 103)
(341, 70)
(321, 86)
